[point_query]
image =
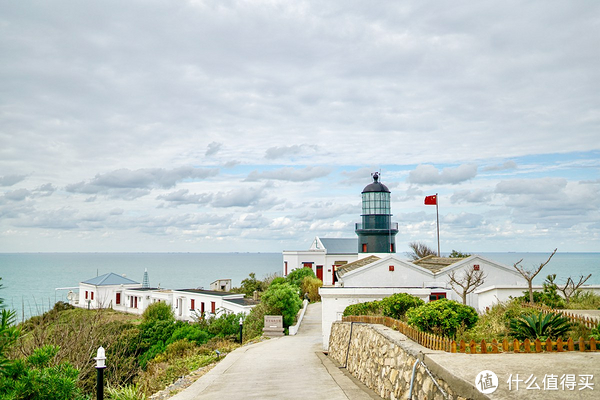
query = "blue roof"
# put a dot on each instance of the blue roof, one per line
(110, 279)
(340, 246)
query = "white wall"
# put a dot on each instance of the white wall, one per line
(335, 299)
(316, 257)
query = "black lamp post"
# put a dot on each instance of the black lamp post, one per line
(100, 365)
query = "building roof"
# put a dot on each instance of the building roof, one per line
(340, 245)
(343, 270)
(434, 263)
(208, 292)
(243, 301)
(110, 279)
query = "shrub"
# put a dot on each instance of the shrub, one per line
(540, 326)
(193, 333)
(128, 392)
(585, 301)
(442, 317)
(396, 305)
(595, 333)
(282, 300)
(36, 378)
(277, 281)
(310, 287)
(159, 311)
(297, 276)
(367, 308)
(254, 322)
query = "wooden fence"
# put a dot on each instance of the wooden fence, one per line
(435, 342)
(588, 322)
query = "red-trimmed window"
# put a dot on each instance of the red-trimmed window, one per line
(92, 294)
(476, 267)
(86, 294)
(213, 307)
(193, 304)
(135, 302)
(364, 247)
(391, 268)
(437, 296)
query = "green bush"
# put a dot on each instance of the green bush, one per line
(540, 326)
(282, 300)
(297, 276)
(396, 305)
(442, 317)
(254, 322)
(191, 332)
(585, 301)
(159, 311)
(277, 281)
(310, 288)
(36, 378)
(367, 308)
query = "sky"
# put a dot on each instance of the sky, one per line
(253, 126)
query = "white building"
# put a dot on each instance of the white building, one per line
(123, 294)
(373, 278)
(324, 256)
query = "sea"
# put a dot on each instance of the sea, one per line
(33, 282)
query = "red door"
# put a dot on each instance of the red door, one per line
(320, 272)
(118, 298)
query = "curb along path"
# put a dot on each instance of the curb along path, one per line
(290, 367)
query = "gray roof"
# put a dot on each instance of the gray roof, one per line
(110, 279)
(209, 292)
(340, 246)
(344, 269)
(434, 263)
(243, 301)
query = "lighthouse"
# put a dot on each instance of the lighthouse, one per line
(376, 232)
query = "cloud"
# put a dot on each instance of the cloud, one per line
(474, 196)
(183, 196)
(17, 195)
(9, 180)
(531, 186)
(508, 165)
(213, 148)
(429, 175)
(290, 174)
(133, 184)
(288, 151)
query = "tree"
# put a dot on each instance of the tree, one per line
(467, 283)
(530, 274)
(282, 300)
(571, 287)
(458, 254)
(420, 250)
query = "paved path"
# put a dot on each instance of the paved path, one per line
(290, 367)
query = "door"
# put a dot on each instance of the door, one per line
(320, 272)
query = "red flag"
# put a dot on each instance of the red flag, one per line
(431, 200)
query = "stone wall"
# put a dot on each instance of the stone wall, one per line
(383, 359)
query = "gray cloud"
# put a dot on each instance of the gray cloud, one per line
(531, 186)
(430, 175)
(9, 180)
(289, 151)
(471, 196)
(213, 148)
(507, 165)
(133, 184)
(290, 174)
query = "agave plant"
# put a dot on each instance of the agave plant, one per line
(539, 326)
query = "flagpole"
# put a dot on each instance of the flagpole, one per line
(437, 212)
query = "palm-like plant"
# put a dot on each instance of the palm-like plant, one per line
(539, 326)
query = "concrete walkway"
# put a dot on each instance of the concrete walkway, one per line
(290, 367)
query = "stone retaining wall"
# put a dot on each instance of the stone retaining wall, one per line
(383, 360)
